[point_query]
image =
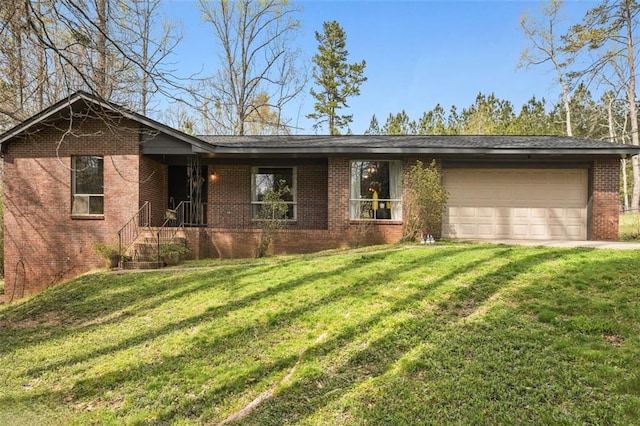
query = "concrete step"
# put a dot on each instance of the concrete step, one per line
(142, 265)
(145, 246)
(144, 253)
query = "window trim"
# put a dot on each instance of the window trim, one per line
(88, 197)
(293, 191)
(396, 202)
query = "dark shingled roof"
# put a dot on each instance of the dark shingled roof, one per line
(435, 144)
(297, 146)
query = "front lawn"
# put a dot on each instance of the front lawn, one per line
(629, 229)
(460, 333)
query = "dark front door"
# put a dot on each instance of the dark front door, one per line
(190, 189)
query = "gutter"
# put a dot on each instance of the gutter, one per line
(627, 150)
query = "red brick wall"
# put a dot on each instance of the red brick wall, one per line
(40, 233)
(312, 197)
(154, 183)
(338, 187)
(323, 213)
(605, 200)
(229, 197)
(226, 243)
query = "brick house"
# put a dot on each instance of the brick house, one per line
(81, 170)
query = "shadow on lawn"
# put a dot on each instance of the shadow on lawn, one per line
(66, 308)
(173, 290)
(304, 397)
(96, 300)
(95, 387)
(551, 373)
(373, 360)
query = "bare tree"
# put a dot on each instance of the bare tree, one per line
(258, 73)
(608, 32)
(152, 40)
(107, 47)
(545, 49)
(21, 66)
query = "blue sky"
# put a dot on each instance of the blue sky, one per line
(418, 53)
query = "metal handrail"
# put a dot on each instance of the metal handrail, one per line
(173, 222)
(186, 214)
(128, 234)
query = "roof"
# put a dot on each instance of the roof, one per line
(383, 144)
(169, 140)
(82, 101)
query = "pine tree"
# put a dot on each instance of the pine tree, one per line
(337, 80)
(374, 127)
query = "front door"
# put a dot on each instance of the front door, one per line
(188, 193)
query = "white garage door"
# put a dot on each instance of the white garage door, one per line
(540, 204)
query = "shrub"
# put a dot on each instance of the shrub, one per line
(271, 216)
(172, 253)
(424, 201)
(110, 254)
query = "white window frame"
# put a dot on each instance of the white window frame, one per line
(361, 206)
(293, 191)
(81, 203)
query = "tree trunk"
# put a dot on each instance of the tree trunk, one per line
(146, 35)
(100, 76)
(633, 112)
(623, 162)
(567, 107)
(625, 186)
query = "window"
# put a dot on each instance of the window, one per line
(376, 190)
(267, 179)
(87, 182)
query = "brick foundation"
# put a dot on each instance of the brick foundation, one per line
(224, 243)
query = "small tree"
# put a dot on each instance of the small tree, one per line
(272, 215)
(337, 80)
(424, 201)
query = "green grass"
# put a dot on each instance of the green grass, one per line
(460, 333)
(629, 229)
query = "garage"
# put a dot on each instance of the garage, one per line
(532, 204)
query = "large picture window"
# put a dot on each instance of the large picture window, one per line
(87, 182)
(376, 190)
(266, 180)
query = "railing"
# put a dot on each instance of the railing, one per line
(130, 231)
(190, 214)
(174, 221)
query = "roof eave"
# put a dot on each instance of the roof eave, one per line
(197, 144)
(426, 150)
(37, 118)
